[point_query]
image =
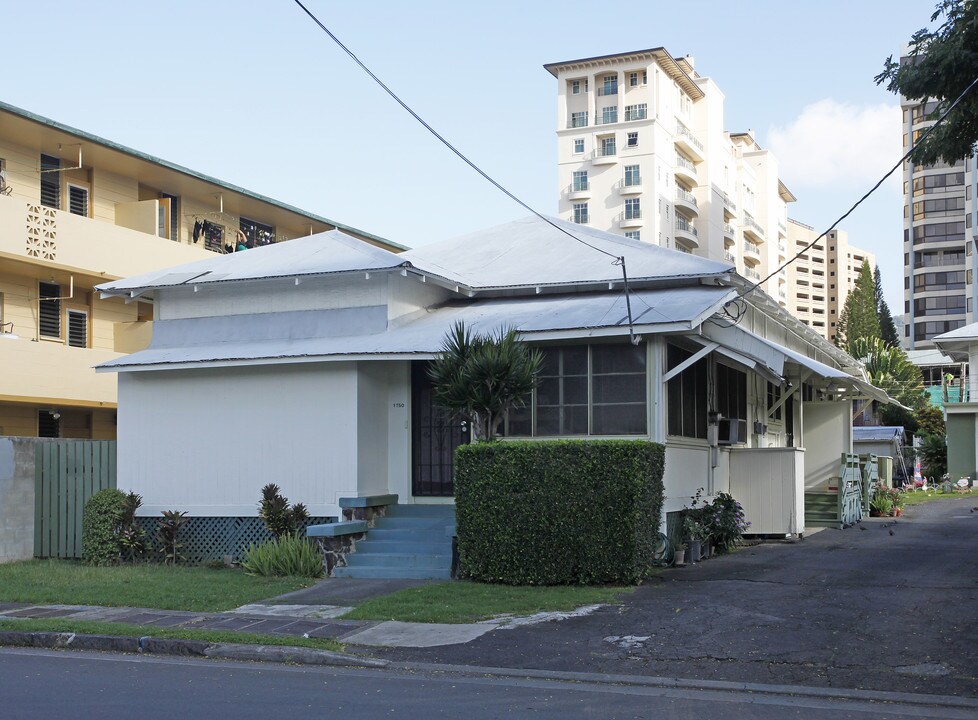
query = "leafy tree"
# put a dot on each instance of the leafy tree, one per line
(941, 64)
(930, 420)
(933, 455)
(481, 377)
(859, 317)
(890, 369)
(888, 329)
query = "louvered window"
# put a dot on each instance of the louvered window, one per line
(48, 426)
(50, 182)
(77, 328)
(78, 200)
(49, 310)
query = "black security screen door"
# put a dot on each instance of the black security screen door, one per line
(434, 437)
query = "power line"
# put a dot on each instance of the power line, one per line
(618, 259)
(875, 187)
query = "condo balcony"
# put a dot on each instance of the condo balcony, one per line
(729, 257)
(685, 199)
(686, 169)
(729, 232)
(752, 253)
(630, 186)
(782, 228)
(689, 143)
(686, 231)
(751, 274)
(607, 90)
(752, 228)
(630, 219)
(579, 191)
(605, 154)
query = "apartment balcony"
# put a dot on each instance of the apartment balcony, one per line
(752, 253)
(729, 257)
(782, 229)
(729, 232)
(630, 219)
(782, 249)
(630, 186)
(685, 199)
(46, 371)
(686, 170)
(577, 121)
(751, 274)
(43, 236)
(606, 118)
(752, 228)
(609, 90)
(729, 206)
(634, 114)
(605, 156)
(686, 231)
(689, 143)
(579, 191)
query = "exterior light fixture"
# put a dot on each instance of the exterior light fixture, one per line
(7, 331)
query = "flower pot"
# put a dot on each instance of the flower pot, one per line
(707, 550)
(694, 551)
(898, 512)
(680, 557)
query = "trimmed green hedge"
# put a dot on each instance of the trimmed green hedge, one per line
(558, 512)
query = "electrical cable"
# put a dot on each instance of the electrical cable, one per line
(875, 187)
(618, 259)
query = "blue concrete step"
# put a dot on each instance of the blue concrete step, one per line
(409, 541)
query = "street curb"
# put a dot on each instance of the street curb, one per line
(880, 696)
(186, 648)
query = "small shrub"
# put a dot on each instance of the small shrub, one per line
(288, 555)
(881, 504)
(279, 517)
(727, 521)
(101, 522)
(168, 534)
(132, 538)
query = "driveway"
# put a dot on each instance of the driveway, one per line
(879, 606)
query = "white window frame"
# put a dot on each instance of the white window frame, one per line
(578, 143)
(581, 214)
(633, 79)
(575, 87)
(628, 140)
(633, 234)
(580, 181)
(633, 209)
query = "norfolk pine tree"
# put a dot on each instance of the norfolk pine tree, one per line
(859, 317)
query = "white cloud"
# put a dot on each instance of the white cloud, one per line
(833, 144)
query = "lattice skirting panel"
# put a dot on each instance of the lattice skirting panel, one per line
(207, 539)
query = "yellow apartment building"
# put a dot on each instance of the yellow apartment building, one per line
(77, 210)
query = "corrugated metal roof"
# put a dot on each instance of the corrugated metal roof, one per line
(321, 254)
(877, 433)
(931, 356)
(338, 334)
(530, 252)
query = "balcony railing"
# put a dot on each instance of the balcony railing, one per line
(751, 247)
(750, 222)
(606, 118)
(582, 218)
(632, 181)
(685, 195)
(632, 114)
(685, 225)
(688, 134)
(782, 227)
(729, 256)
(684, 163)
(606, 151)
(632, 213)
(607, 90)
(580, 186)
(729, 230)
(752, 274)
(577, 121)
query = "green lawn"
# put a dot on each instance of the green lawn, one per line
(87, 627)
(919, 497)
(199, 589)
(465, 602)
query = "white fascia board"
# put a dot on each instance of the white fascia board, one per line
(249, 362)
(619, 331)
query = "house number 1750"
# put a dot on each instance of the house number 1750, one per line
(398, 405)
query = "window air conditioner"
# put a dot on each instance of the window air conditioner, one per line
(732, 431)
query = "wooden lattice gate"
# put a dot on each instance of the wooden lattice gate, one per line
(66, 474)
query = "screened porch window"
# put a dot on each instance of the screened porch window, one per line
(586, 390)
(687, 402)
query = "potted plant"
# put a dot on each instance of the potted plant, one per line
(695, 531)
(679, 558)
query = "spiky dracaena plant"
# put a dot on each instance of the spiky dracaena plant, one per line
(481, 377)
(279, 517)
(890, 369)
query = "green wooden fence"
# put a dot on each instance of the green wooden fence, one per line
(66, 474)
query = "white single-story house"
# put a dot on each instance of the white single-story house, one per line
(304, 364)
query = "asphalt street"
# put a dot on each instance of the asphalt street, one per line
(884, 606)
(51, 684)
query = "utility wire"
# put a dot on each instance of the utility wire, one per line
(618, 259)
(859, 202)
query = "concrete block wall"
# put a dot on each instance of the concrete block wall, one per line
(16, 499)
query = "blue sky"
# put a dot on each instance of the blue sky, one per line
(255, 94)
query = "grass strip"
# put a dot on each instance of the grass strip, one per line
(91, 627)
(161, 587)
(919, 497)
(466, 602)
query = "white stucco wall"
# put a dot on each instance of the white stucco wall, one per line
(206, 441)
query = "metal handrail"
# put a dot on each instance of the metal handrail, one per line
(687, 133)
(685, 195)
(685, 225)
